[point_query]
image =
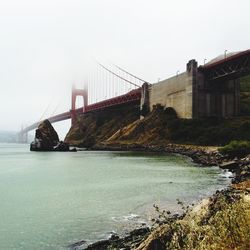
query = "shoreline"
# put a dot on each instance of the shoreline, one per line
(202, 155)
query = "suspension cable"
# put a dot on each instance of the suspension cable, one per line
(45, 111)
(118, 75)
(129, 73)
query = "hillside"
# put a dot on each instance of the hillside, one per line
(96, 127)
(160, 127)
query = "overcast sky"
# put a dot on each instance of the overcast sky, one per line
(45, 45)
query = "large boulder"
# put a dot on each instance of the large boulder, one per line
(46, 139)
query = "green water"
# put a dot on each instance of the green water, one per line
(51, 200)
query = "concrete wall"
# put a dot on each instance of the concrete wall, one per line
(175, 92)
(193, 96)
(217, 98)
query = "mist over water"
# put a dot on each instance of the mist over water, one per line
(50, 200)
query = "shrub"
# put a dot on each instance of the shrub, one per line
(222, 225)
(170, 112)
(236, 149)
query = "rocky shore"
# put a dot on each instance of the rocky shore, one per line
(162, 131)
(193, 229)
(215, 223)
(171, 231)
(207, 156)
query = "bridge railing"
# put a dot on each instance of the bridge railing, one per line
(131, 96)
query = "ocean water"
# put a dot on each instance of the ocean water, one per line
(49, 200)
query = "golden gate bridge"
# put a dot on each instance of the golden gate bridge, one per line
(120, 87)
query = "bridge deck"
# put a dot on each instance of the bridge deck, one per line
(132, 96)
(231, 67)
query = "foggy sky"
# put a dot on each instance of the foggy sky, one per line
(45, 46)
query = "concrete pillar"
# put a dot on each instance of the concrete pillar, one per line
(192, 66)
(192, 70)
(144, 105)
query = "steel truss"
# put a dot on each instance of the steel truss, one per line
(229, 68)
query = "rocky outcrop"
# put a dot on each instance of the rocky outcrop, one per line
(46, 139)
(130, 241)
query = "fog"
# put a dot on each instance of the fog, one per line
(47, 45)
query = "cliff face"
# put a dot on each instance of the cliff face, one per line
(96, 127)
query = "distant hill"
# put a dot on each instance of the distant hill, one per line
(8, 136)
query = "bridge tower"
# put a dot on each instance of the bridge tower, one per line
(78, 92)
(22, 136)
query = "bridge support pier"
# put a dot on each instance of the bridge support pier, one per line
(78, 92)
(144, 105)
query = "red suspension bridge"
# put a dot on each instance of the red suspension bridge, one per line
(121, 87)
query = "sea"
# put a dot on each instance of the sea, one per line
(51, 200)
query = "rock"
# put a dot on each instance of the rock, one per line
(61, 146)
(77, 244)
(114, 237)
(99, 245)
(46, 139)
(229, 165)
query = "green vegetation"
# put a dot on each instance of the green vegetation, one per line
(209, 131)
(236, 149)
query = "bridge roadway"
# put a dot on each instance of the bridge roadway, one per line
(130, 97)
(230, 67)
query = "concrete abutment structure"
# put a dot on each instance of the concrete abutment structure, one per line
(212, 90)
(175, 92)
